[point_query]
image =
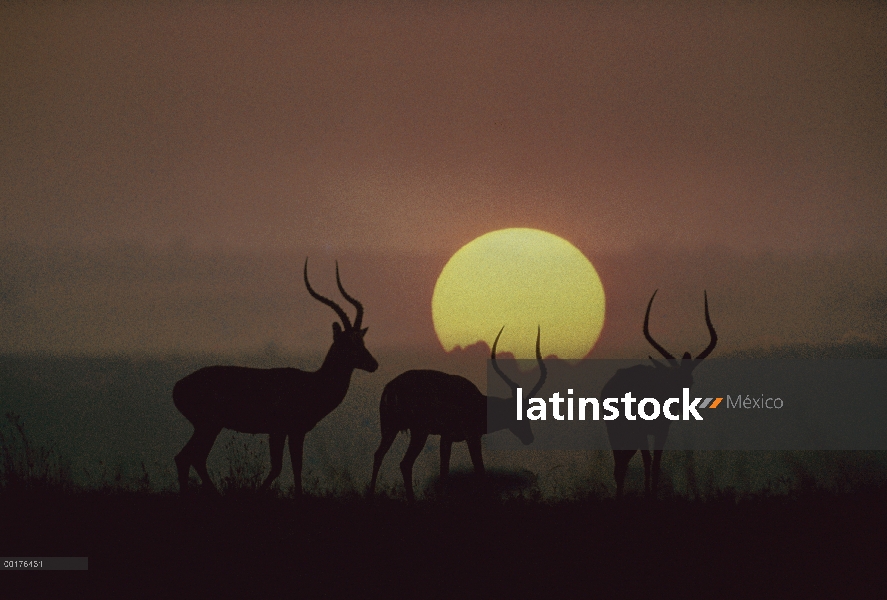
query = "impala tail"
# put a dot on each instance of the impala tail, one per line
(393, 409)
(184, 397)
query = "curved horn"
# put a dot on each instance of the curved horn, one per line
(496, 368)
(345, 295)
(711, 331)
(345, 321)
(662, 351)
(543, 372)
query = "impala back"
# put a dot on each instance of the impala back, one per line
(435, 402)
(246, 399)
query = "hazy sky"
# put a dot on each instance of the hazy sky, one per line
(738, 148)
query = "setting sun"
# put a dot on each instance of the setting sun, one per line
(519, 278)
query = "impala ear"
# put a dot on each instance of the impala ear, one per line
(337, 330)
(363, 331)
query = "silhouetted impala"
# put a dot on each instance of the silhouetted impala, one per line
(649, 381)
(280, 402)
(433, 403)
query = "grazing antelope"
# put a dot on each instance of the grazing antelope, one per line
(433, 403)
(280, 402)
(649, 381)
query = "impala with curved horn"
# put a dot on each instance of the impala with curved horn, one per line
(280, 402)
(429, 402)
(649, 381)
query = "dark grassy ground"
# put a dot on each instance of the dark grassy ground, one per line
(811, 544)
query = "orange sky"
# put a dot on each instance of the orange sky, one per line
(736, 148)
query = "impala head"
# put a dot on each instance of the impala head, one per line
(348, 343)
(687, 363)
(521, 429)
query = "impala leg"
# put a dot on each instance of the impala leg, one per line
(381, 451)
(645, 454)
(183, 463)
(275, 445)
(203, 441)
(657, 458)
(621, 458)
(297, 441)
(417, 442)
(446, 448)
(477, 457)
(658, 446)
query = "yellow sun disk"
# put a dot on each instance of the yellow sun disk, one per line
(519, 278)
